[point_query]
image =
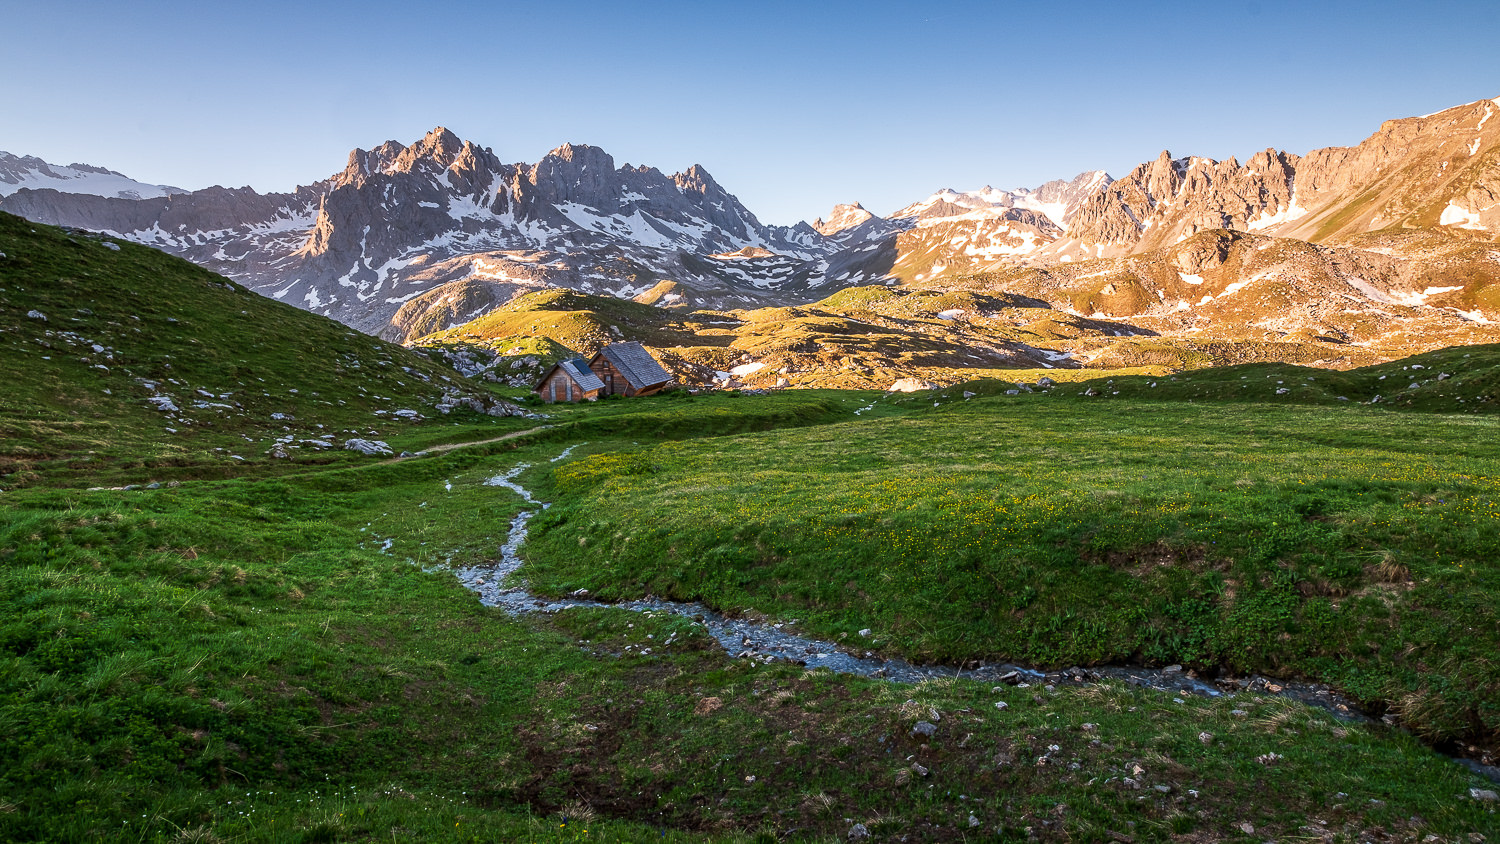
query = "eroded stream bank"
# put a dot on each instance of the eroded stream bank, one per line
(765, 641)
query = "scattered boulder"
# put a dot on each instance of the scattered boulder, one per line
(858, 832)
(371, 447)
(1484, 795)
(492, 407)
(279, 452)
(36, 315)
(924, 728)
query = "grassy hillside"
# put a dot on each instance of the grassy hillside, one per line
(578, 321)
(98, 336)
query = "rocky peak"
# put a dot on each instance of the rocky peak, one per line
(435, 152)
(575, 173)
(440, 147)
(843, 216)
(1072, 190)
(697, 180)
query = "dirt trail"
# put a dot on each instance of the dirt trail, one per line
(439, 449)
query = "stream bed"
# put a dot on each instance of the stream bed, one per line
(768, 641)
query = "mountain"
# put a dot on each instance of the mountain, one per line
(404, 222)
(18, 172)
(951, 232)
(410, 239)
(1437, 171)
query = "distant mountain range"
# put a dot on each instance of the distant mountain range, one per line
(29, 172)
(410, 239)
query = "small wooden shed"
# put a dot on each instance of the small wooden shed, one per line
(569, 380)
(628, 369)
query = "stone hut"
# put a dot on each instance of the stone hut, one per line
(628, 369)
(569, 380)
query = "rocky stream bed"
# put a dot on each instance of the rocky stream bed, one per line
(764, 640)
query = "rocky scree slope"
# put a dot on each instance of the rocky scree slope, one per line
(1391, 294)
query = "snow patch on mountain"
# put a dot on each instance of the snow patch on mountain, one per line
(18, 172)
(1457, 215)
(1266, 219)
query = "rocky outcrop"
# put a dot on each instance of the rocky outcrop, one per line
(845, 216)
(1420, 172)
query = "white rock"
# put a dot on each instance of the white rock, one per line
(367, 446)
(37, 315)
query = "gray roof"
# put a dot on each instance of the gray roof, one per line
(578, 370)
(636, 364)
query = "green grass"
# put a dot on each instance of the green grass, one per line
(165, 327)
(274, 650)
(1347, 544)
(173, 657)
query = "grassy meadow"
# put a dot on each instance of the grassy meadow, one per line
(202, 642)
(289, 658)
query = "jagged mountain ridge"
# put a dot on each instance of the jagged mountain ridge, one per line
(408, 239)
(1439, 170)
(400, 222)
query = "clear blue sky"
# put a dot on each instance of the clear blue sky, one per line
(793, 106)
